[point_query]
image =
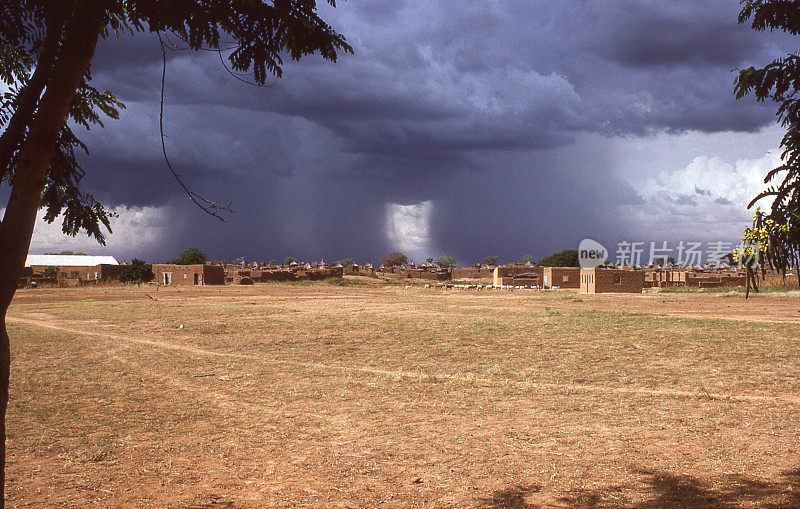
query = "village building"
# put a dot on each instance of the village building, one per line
(529, 280)
(359, 270)
(474, 272)
(73, 270)
(605, 280)
(694, 278)
(428, 274)
(561, 277)
(714, 279)
(534, 275)
(664, 278)
(168, 274)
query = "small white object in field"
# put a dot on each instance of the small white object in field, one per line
(181, 326)
(408, 287)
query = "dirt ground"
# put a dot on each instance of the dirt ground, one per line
(372, 395)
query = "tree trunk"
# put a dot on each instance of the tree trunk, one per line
(797, 267)
(30, 175)
(5, 366)
(29, 96)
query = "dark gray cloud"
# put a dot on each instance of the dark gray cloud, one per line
(476, 106)
(652, 34)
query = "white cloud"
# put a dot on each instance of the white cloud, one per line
(706, 199)
(408, 228)
(137, 230)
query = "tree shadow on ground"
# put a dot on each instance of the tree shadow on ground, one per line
(664, 490)
(213, 503)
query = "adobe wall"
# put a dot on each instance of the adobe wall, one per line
(611, 281)
(102, 272)
(695, 280)
(182, 275)
(520, 281)
(360, 270)
(471, 272)
(316, 274)
(664, 278)
(277, 275)
(514, 270)
(562, 277)
(213, 275)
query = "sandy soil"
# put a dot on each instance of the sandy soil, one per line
(376, 396)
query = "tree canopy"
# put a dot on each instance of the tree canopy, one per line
(346, 262)
(567, 258)
(191, 256)
(527, 259)
(136, 272)
(446, 262)
(35, 34)
(778, 81)
(394, 260)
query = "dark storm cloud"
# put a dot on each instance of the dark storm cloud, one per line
(476, 106)
(652, 34)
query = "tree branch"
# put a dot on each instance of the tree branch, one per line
(209, 207)
(28, 99)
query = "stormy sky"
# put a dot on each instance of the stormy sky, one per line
(461, 128)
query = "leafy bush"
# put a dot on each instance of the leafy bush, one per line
(50, 273)
(137, 272)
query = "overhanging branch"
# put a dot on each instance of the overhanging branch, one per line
(211, 208)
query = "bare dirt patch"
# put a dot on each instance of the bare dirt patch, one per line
(377, 396)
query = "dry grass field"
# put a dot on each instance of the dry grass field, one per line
(377, 396)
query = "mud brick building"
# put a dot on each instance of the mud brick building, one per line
(509, 271)
(168, 274)
(472, 272)
(714, 279)
(359, 270)
(320, 272)
(74, 270)
(601, 280)
(562, 277)
(528, 280)
(664, 278)
(278, 275)
(427, 274)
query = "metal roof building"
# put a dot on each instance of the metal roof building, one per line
(69, 260)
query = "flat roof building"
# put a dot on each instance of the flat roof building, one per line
(168, 274)
(603, 280)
